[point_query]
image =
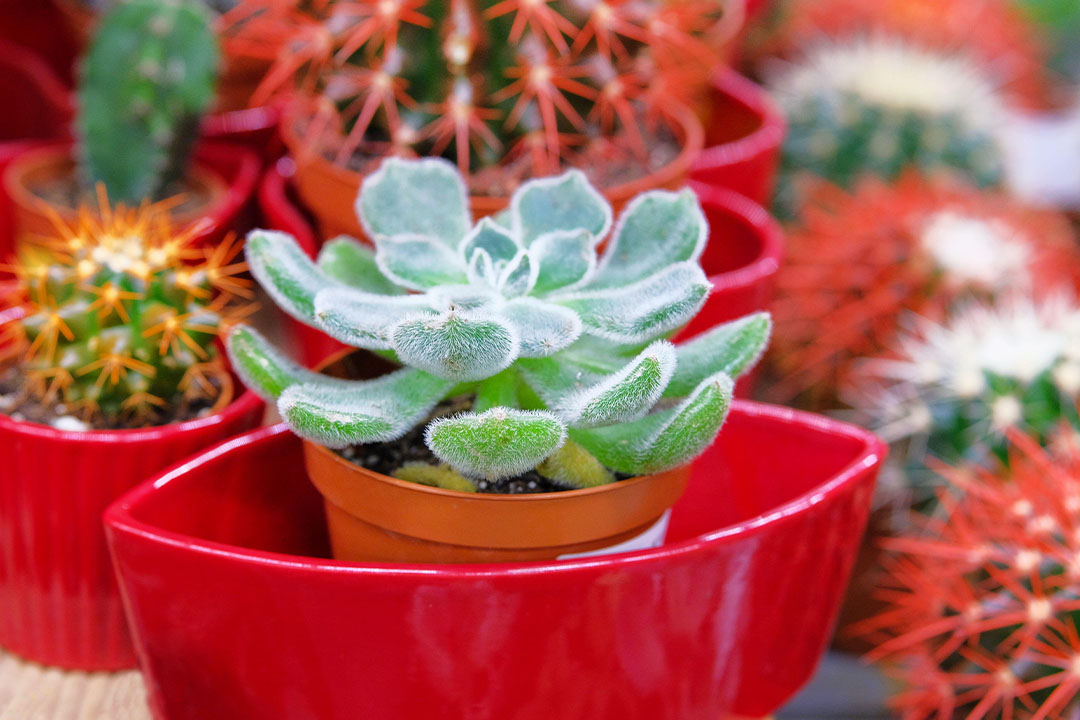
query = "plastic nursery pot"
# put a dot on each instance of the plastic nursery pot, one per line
(59, 602)
(376, 518)
(329, 191)
(279, 210)
(238, 615)
(742, 139)
(36, 103)
(222, 183)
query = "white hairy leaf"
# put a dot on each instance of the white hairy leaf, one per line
(363, 319)
(565, 259)
(418, 262)
(518, 277)
(286, 273)
(624, 396)
(456, 345)
(353, 263)
(493, 239)
(265, 370)
(732, 348)
(565, 202)
(415, 197)
(498, 443)
(543, 328)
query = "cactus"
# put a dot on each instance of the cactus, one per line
(511, 83)
(561, 350)
(981, 603)
(145, 83)
(878, 106)
(919, 245)
(952, 390)
(122, 320)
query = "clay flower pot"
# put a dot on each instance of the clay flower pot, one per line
(59, 603)
(36, 103)
(742, 140)
(239, 615)
(224, 176)
(329, 191)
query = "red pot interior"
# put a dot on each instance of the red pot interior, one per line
(35, 102)
(742, 143)
(238, 614)
(254, 128)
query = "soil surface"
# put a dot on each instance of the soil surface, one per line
(387, 457)
(19, 404)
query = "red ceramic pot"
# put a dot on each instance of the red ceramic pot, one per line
(742, 140)
(40, 27)
(59, 604)
(239, 615)
(9, 151)
(228, 173)
(254, 128)
(35, 103)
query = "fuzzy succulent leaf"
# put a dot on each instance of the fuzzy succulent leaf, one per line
(732, 348)
(498, 443)
(564, 203)
(439, 476)
(286, 273)
(644, 310)
(357, 412)
(265, 370)
(553, 379)
(657, 229)
(574, 467)
(418, 262)
(456, 345)
(564, 259)
(496, 241)
(543, 328)
(665, 439)
(464, 297)
(424, 198)
(147, 79)
(624, 396)
(352, 263)
(362, 319)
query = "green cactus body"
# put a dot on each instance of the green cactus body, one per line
(145, 83)
(119, 326)
(879, 107)
(562, 348)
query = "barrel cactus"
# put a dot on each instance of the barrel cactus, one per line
(121, 322)
(878, 106)
(561, 348)
(952, 390)
(514, 83)
(145, 83)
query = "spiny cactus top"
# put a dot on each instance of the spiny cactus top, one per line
(551, 338)
(920, 244)
(951, 390)
(122, 316)
(145, 83)
(880, 106)
(980, 603)
(492, 82)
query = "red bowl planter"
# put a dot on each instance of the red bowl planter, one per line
(742, 143)
(59, 603)
(254, 128)
(239, 615)
(36, 104)
(232, 172)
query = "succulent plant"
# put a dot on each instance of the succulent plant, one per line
(561, 350)
(492, 82)
(879, 106)
(122, 317)
(981, 602)
(864, 258)
(952, 390)
(145, 83)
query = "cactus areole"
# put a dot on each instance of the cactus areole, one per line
(556, 351)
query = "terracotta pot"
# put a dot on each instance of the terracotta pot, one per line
(36, 103)
(377, 518)
(239, 615)
(330, 191)
(59, 603)
(226, 174)
(742, 140)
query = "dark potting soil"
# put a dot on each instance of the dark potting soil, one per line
(69, 193)
(19, 404)
(387, 457)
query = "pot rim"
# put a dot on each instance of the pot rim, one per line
(770, 134)
(119, 516)
(680, 117)
(759, 220)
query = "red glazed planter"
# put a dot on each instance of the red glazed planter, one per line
(40, 27)
(35, 103)
(254, 128)
(232, 170)
(238, 615)
(59, 604)
(742, 142)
